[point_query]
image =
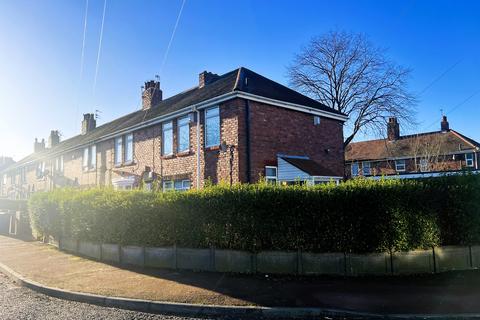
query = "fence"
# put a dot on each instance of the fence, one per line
(439, 259)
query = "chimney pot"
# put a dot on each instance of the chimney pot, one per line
(206, 77)
(151, 94)
(444, 125)
(38, 146)
(54, 138)
(393, 129)
(89, 123)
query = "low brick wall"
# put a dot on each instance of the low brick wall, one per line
(435, 260)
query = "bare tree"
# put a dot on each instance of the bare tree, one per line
(428, 152)
(347, 73)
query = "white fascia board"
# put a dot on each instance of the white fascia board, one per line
(408, 158)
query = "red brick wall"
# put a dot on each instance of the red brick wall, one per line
(277, 130)
(273, 131)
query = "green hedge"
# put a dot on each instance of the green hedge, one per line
(357, 216)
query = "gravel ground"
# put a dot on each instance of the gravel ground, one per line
(19, 303)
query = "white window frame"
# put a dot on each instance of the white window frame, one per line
(399, 164)
(423, 164)
(270, 178)
(469, 162)
(129, 145)
(183, 122)
(93, 157)
(211, 113)
(168, 185)
(356, 171)
(365, 165)
(89, 158)
(316, 120)
(118, 151)
(167, 127)
(185, 185)
(86, 160)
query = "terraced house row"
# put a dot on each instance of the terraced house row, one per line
(235, 127)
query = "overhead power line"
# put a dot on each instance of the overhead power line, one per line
(440, 77)
(99, 47)
(82, 59)
(172, 37)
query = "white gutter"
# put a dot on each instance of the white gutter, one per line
(196, 107)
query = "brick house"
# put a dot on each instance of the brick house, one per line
(412, 156)
(237, 127)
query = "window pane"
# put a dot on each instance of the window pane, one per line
(183, 134)
(354, 169)
(167, 138)
(85, 157)
(212, 127)
(93, 156)
(366, 168)
(118, 150)
(270, 172)
(129, 148)
(186, 184)
(178, 185)
(167, 185)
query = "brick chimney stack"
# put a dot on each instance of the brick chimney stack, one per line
(89, 123)
(444, 125)
(54, 138)
(151, 95)
(393, 129)
(38, 146)
(206, 77)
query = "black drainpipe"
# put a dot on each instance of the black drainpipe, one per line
(247, 137)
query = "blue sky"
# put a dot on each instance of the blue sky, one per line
(41, 42)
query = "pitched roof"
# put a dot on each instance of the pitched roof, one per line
(446, 142)
(309, 166)
(238, 80)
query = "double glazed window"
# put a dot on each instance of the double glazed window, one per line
(124, 149)
(183, 134)
(89, 158)
(167, 138)
(400, 165)
(212, 127)
(366, 169)
(354, 169)
(59, 164)
(271, 174)
(176, 185)
(469, 159)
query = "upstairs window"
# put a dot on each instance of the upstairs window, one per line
(167, 138)
(271, 174)
(124, 150)
(118, 151)
(366, 169)
(183, 134)
(59, 164)
(316, 120)
(400, 165)
(89, 158)
(469, 159)
(129, 148)
(354, 169)
(212, 127)
(40, 170)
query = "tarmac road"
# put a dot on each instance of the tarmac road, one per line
(19, 303)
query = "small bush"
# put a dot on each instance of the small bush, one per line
(357, 216)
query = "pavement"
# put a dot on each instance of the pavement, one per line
(450, 293)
